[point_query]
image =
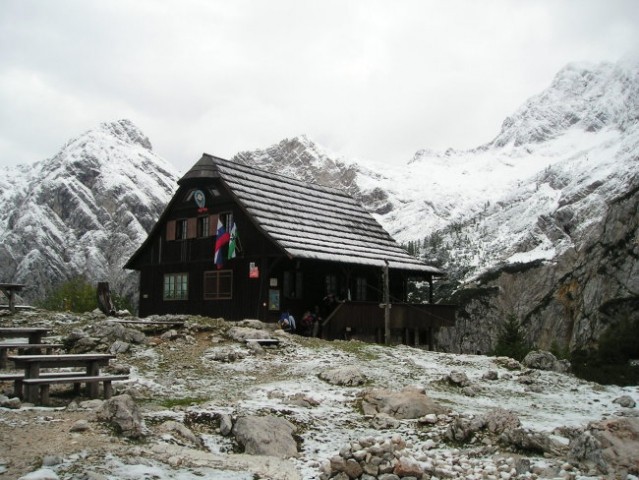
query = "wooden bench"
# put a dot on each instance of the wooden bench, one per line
(263, 341)
(34, 347)
(45, 382)
(17, 379)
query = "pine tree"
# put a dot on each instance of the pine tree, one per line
(511, 342)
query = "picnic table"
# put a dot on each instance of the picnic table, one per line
(33, 345)
(90, 362)
(10, 290)
(34, 334)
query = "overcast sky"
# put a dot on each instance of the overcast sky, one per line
(369, 80)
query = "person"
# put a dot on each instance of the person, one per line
(287, 322)
(307, 323)
(329, 302)
(316, 321)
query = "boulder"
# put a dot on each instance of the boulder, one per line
(347, 376)
(610, 445)
(267, 435)
(408, 403)
(459, 379)
(499, 420)
(543, 360)
(531, 441)
(123, 414)
(241, 334)
(181, 434)
(13, 402)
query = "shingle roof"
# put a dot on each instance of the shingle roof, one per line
(309, 221)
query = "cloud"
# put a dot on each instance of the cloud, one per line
(369, 79)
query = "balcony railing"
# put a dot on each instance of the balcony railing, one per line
(410, 323)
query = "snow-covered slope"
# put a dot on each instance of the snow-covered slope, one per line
(532, 192)
(552, 199)
(82, 211)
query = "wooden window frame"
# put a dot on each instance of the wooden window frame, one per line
(217, 277)
(173, 292)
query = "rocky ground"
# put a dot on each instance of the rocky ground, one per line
(202, 402)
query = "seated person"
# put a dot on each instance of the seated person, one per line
(287, 322)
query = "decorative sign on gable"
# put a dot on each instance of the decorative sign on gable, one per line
(200, 201)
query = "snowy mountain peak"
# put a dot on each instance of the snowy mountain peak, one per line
(127, 132)
(587, 97)
(84, 210)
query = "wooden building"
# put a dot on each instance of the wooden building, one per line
(238, 242)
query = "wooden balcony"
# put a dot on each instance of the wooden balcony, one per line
(410, 323)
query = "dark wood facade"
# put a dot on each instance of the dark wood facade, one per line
(297, 243)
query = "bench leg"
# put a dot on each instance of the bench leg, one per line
(44, 394)
(31, 393)
(17, 388)
(77, 387)
(3, 358)
(108, 389)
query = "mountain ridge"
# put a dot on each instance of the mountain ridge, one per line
(558, 180)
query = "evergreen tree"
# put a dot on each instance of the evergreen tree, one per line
(511, 342)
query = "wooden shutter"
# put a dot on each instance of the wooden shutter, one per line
(170, 230)
(213, 225)
(191, 227)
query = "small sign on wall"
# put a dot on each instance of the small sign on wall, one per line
(254, 271)
(273, 299)
(272, 282)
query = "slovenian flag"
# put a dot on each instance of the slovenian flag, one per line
(233, 242)
(220, 241)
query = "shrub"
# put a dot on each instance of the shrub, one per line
(75, 295)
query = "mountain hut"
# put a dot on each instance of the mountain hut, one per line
(238, 242)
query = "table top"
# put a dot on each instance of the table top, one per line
(12, 286)
(5, 330)
(64, 357)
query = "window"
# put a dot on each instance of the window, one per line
(360, 289)
(218, 285)
(331, 284)
(181, 229)
(227, 219)
(176, 286)
(292, 284)
(203, 226)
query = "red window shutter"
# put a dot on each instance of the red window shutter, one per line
(170, 230)
(191, 227)
(213, 225)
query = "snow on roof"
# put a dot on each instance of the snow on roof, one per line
(310, 221)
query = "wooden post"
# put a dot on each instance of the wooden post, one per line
(387, 306)
(430, 289)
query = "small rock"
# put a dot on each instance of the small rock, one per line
(80, 426)
(226, 424)
(490, 375)
(625, 401)
(42, 474)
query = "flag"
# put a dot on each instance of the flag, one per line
(233, 241)
(221, 240)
